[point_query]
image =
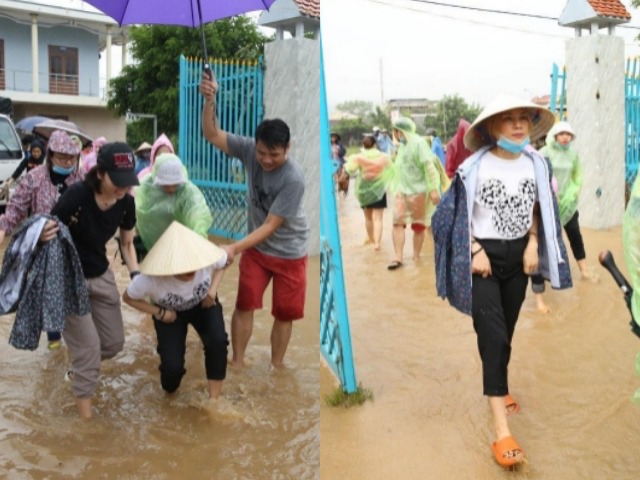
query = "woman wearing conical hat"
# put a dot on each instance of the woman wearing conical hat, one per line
(178, 287)
(497, 224)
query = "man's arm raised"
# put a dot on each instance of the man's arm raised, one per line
(210, 126)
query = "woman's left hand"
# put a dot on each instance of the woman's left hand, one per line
(530, 258)
(49, 231)
(209, 300)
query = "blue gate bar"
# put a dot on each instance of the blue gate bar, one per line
(335, 336)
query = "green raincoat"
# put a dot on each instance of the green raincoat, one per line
(414, 166)
(155, 210)
(631, 242)
(568, 173)
(373, 172)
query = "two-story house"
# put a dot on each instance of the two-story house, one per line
(49, 62)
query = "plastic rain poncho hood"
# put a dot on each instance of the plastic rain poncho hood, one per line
(155, 210)
(566, 170)
(414, 166)
(373, 172)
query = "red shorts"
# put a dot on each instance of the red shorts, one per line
(289, 284)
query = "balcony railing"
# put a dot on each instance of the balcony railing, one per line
(49, 83)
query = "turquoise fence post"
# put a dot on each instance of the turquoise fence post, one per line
(335, 335)
(554, 89)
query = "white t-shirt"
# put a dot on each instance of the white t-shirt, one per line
(504, 198)
(171, 293)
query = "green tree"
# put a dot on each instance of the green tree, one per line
(379, 118)
(448, 113)
(150, 84)
(359, 108)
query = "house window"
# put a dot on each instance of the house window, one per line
(63, 70)
(2, 86)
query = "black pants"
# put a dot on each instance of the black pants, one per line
(172, 337)
(495, 308)
(572, 229)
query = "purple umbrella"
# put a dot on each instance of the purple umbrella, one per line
(189, 13)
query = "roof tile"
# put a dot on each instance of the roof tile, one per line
(310, 8)
(610, 8)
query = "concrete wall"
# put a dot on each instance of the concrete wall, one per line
(292, 93)
(596, 110)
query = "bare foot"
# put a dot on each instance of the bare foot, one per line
(367, 241)
(376, 247)
(543, 308)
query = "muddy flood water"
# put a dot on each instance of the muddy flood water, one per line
(266, 426)
(572, 370)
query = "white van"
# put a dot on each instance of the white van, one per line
(11, 153)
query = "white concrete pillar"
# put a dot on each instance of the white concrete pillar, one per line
(594, 28)
(596, 110)
(299, 29)
(124, 52)
(280, 33)
(108, 49)
(35, 71)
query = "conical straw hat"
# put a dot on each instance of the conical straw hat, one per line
(180, 250)
(541, 121)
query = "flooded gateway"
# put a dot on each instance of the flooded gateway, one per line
(266, 426)
(571, 370)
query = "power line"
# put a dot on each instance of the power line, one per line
(491, 10)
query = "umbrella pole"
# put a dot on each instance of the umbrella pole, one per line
(206, 67)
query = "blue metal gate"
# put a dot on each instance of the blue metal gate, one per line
(335, 336)
(240, 110)
(557, 104)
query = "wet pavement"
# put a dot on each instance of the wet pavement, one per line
(572, 370)
(266, 425)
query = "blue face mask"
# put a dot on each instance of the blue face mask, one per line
(63, 171)
(511, 146)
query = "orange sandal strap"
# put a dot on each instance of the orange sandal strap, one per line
(504, 445)
(511, 405)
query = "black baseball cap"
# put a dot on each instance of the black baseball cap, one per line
(118, 160)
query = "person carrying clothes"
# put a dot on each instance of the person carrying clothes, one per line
(276, 245)
(160, 146)
(416, 181)
(167, 195)
(497, 224)
(94, 210)
(456, 152)
(41, 188)
(143, 156)
(372, 170)
(568, 174)
(33, 160)
(180, 276)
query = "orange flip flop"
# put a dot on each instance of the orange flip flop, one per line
(502, 447)
(512, 407)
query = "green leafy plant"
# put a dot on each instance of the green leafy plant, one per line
(340, 398)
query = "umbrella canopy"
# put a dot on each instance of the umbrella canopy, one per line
(45, 129)
(188, 13)
(26, 124)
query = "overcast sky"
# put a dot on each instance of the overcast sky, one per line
(428, 51)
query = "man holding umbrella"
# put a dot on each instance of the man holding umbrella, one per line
(276, 245)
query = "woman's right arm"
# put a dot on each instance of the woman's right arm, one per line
(18, 207)
(164, 315)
